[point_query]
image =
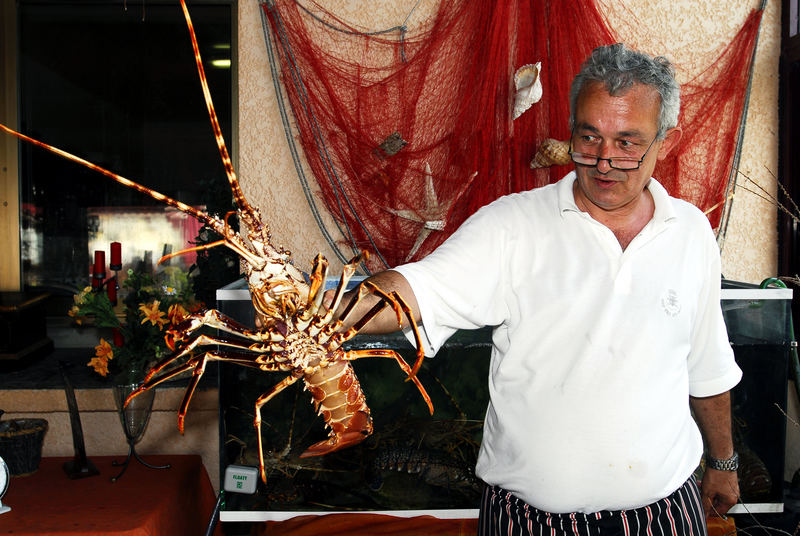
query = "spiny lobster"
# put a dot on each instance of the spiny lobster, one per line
(298, 334)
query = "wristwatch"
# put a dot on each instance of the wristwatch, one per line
(731, 464)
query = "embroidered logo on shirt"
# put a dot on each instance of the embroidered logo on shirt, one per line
(670, 302)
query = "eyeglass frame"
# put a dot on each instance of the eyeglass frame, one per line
(610, 161)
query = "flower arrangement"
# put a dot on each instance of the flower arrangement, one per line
(151, 306)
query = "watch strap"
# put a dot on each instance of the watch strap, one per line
(730, 464)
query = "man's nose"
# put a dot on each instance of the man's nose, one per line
(603, 165)
(603, 160)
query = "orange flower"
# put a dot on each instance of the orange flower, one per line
(176, 314)
(152, 314)
(104, 350)
(80, 297)
(104, 353)
(74, 312)
(99, 365)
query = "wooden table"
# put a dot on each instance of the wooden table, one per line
(174, 501)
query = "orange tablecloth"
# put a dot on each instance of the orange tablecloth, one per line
(384, 525)
(372, 524)
(144, 501)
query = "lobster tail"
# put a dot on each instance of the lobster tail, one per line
(339, 399)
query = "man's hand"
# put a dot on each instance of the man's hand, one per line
(719, 491)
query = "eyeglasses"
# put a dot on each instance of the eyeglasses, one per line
(625, 163)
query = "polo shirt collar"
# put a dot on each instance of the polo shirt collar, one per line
(664, 211)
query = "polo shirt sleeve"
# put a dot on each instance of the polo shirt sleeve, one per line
(712, 367)
(460, 284)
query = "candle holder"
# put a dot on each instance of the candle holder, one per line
(112, 287)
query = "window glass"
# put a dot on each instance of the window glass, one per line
(116, 83)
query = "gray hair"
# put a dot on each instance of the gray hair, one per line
(618, 68)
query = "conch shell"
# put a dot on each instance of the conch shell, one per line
(551, 153)
(528, 86)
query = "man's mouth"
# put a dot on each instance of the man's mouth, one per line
(604, 181)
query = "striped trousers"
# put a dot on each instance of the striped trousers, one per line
(680, 514)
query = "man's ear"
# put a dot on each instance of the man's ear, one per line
(669, 142)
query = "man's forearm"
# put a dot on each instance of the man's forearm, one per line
(713, 415)
(386, 321)
(720, 489)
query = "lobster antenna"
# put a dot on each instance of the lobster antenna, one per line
(238, 195)
(232, 240)
(183, 207)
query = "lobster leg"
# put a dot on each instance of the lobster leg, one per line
(198, 366)
(393, 300)
(391, 354)
(217, 320)
(403, 306)
(348, 270)
(318, 275)
(263, 399)
(203, 340)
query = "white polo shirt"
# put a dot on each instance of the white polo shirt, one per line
(595, 350)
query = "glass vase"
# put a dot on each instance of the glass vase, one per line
(134, 418)
(136, 415)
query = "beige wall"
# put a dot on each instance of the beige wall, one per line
(682, 29)
(102, 430)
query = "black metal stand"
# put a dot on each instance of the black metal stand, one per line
(133, 454)
(80, 466)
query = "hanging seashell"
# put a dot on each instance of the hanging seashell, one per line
(551, 153)
(528, 86)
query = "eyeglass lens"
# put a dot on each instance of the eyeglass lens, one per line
(616, 163)
(620, 162)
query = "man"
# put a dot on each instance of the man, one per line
(603, 293)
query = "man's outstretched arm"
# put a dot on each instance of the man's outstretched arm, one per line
(386, 322)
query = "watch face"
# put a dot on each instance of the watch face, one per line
(4, 477)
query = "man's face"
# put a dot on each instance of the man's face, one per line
(611, 127)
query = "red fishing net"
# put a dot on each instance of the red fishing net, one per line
(712, 106)
(407, 134)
